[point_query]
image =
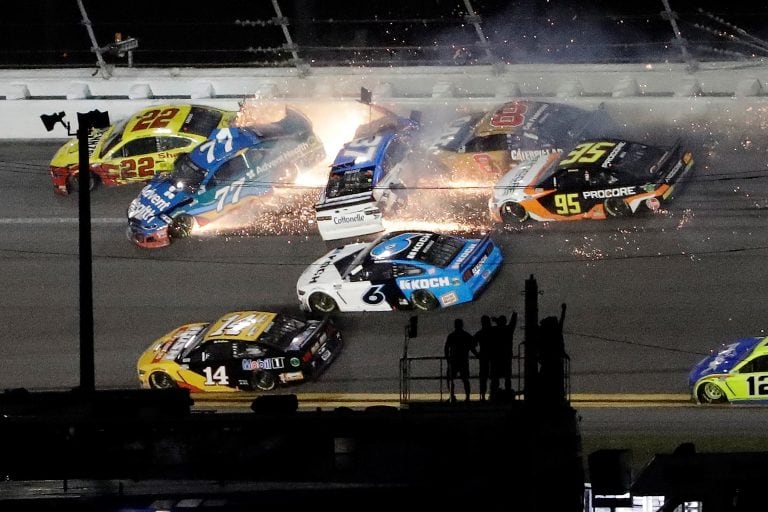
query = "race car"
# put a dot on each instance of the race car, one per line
(736, 373)
(137, 148)
(242, 350)
(221, 177)
(477, 149)
(365, 180)
(599, 178)
(398, 271)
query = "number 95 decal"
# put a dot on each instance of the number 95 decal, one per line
(567, 204)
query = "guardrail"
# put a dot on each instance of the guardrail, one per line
(25, 94)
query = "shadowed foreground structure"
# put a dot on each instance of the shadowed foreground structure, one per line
(118, 450)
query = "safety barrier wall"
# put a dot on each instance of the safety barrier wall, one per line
(26, 94)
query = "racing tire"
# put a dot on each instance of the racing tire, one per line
(320, 302)
(616, 207)
(161, 380)
(711, 393)
(424, 300)
(263, 381)
(513, 213)
(73, 182)
(181, 226)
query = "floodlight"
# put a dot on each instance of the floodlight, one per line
(51, 120)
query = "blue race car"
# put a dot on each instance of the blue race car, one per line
(366, 178)
(221, 177)
(736, 373)
(401, 270)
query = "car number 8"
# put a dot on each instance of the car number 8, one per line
(374, 295)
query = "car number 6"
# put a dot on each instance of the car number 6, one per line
(373, 295)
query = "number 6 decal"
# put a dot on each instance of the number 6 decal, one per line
(374, 295)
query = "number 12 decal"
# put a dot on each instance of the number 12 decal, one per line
(217, 376)
(758, 385)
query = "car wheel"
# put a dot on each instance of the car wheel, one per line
(181, 226)
(616, 207)
(73, 182)
(512, 213)
(161, 380)
(263, 381)
(422, 299)
(320, 302)
(711, 393)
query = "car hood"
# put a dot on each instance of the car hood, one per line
(160, 196)
(170, 346)
(68, 154)
(331, 267)
(725, 359)
(512, 185)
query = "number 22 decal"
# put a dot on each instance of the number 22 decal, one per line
(155, 119)
(374, 295)
(217, 376)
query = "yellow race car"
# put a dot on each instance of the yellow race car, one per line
(138, 147)
(242, 350)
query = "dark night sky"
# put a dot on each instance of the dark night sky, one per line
(50, 33)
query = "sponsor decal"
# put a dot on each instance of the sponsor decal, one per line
(611, 192)
(417, 246)
(291, 376)
(154, 198)
(449, 298)
(295, 362)
(288, 155)
(532, 154)
(321, 268)
(479, 265)
(423, 284)
(613, 154)
(391, 247)
(347, 219)
(464, 254)
(267, 363)
(140, 211)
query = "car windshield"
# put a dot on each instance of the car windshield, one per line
(352, 181)
(201, 121)
(113, 138)
(186, 174)
(193, 342)
(282, 332)
(442, 251)
(561, 121)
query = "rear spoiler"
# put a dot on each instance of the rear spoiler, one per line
(476, 254)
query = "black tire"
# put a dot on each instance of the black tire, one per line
(711, 393)
(513, 213)
(616, 207)
(263, 381)
(181, 226)
(424, 300)
(73, 182)
(161, 380)
(320, 302)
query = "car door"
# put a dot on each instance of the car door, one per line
(750, 381)
(370, 288)
(215, 361)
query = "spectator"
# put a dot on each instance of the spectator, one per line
(501, 366)
(458, 345)
(486, 345)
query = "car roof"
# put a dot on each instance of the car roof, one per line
(345, 162)
(241, 138)
(535, 114)
(245, 326)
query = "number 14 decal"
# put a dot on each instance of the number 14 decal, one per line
(216, 377)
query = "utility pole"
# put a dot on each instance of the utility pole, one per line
(669, 14)
(94, 45)
(87, 365)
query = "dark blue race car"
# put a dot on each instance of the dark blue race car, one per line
(221, 177)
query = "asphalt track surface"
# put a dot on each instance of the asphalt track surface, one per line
(646, 297)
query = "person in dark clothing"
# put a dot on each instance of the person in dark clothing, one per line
(486, 345)
(458, 345)
(501, 366)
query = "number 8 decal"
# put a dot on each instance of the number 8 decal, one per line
(374, 295)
